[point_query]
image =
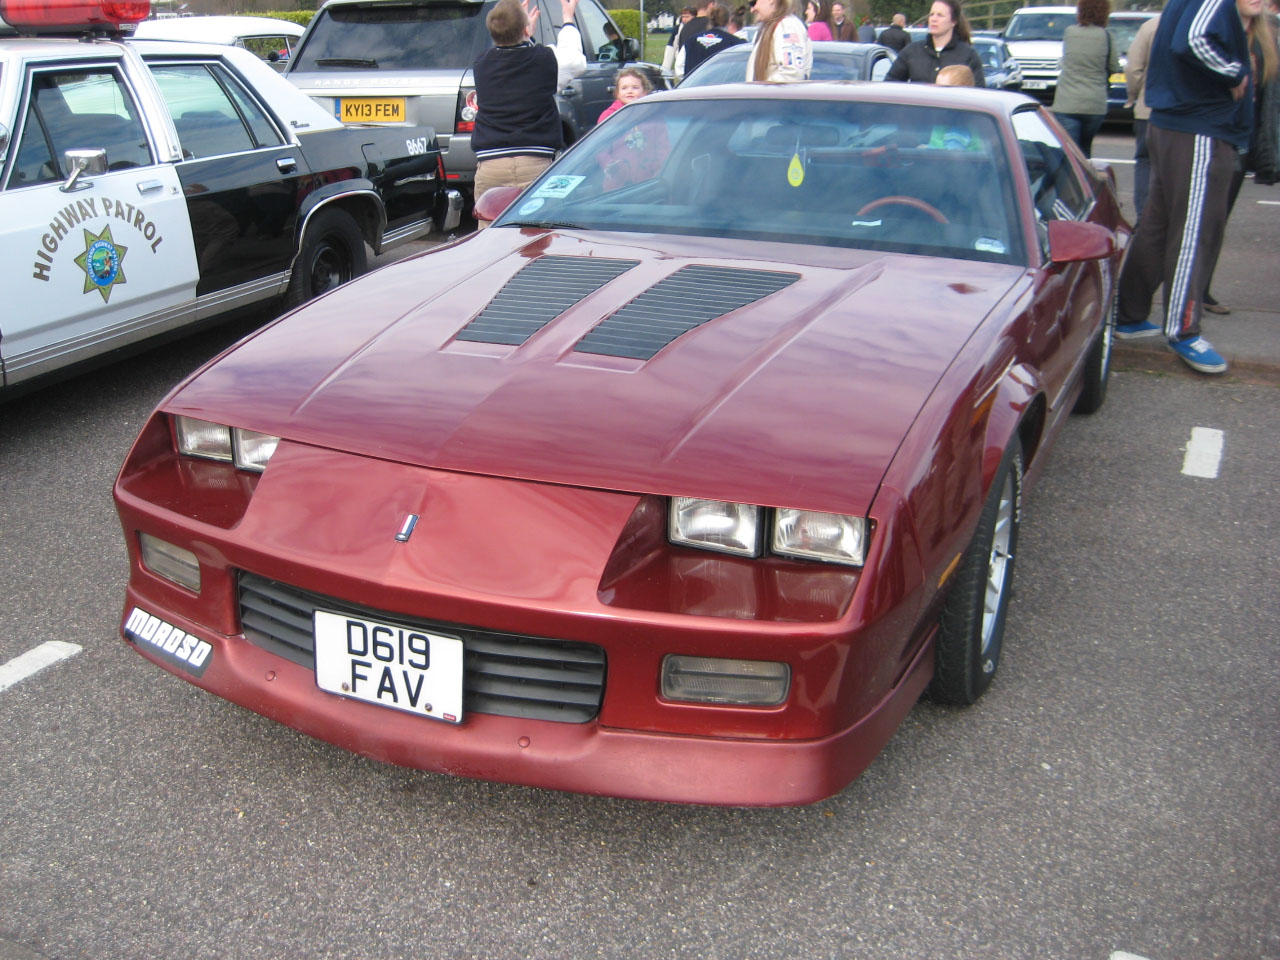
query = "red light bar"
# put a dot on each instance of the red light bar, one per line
(59, 15)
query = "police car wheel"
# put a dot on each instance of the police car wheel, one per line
(332, 253)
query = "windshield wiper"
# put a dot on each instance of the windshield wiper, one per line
(347, 62)
(544, 224)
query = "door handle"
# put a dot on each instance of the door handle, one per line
(149, 186)
(287, 165)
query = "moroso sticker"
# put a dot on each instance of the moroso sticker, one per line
(166, 641)
(102, 257)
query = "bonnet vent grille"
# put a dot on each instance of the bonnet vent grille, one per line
(539, 293)
(687, 299)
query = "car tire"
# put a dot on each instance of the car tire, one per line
(971, 626)
(332, 253)
(1097, 367)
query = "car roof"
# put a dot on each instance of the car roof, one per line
(912, 94)
(215, 29)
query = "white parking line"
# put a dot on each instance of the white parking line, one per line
(1269, 203)
(1204, 453)
(1121, 955)
(35, 660)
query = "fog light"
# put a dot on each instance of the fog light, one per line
(754, 683)
(172, 563)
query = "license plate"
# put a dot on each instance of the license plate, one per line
(371, 109)
(393, 666)
(1116, 78)
(1035, 84)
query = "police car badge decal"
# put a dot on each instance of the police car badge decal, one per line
(102, 262)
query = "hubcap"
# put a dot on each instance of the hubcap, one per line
(998, 563)
(328, 269)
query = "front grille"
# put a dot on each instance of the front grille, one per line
(505, 674)
(1050, 66)
(685, 300)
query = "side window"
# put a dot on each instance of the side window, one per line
(1055, 189)
(263, 47)
(85, 110)
(600, 38)
(212, 114)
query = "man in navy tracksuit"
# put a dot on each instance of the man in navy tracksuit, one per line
(1200, 90)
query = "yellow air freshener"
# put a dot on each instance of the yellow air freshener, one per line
(795, 171)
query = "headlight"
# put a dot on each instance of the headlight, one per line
(248, 449)
(736, 528)
(715, 525)
(820, 536)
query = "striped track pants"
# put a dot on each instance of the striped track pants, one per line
(1178, 238)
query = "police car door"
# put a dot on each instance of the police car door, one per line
(101, 262)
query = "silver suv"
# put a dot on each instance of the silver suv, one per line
(409, 62)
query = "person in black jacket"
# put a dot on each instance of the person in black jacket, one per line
(703, 44)
(895, 36)
(518, 128)
(946, 44)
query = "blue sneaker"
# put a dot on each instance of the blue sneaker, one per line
(1134, 331)
(1198, 354)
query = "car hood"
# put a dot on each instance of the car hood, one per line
(1035, 49)
(800, 398)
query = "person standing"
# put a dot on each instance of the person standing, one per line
(1200, 89)
(842, 28)
(947, 43)
(782, 49)
(817, 17)
(518, 127)
(1135, 77)
(703, 44)
(895, 36)
(697, 25)
(1088, 60)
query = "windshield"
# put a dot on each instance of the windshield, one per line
(394, 37)
(869, 176)
(1038, 26)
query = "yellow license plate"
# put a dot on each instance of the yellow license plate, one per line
(371, 110)
(1117, 78)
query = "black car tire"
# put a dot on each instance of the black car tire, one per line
(971, 627)
(332, 253)
(1097, 366)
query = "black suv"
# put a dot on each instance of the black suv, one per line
(409, 62)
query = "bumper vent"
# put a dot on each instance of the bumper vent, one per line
(683, 301)
(539, 293)
(503, 674)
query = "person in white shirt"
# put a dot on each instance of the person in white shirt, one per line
(782, 49)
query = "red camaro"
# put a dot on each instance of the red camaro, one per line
(682, 481)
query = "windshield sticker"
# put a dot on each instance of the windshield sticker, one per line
(865, 223)
(987, 245)
(102, 255)
(557, 188)
(532, 206)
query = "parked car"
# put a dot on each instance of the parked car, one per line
(267, 38)
(1034, 36)
(148, 185)
(1123, 26)
(409, 61)
(646, 491)
(999, 67)
(832, 60)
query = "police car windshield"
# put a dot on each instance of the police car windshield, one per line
(395, 37)
(922, 180)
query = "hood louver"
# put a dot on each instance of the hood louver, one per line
(539, 293)
(683, 301)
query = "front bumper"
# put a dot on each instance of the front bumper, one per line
(583, 758)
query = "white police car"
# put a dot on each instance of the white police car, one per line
(148, 185)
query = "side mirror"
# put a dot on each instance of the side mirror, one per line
(630, 49)
(1071, 241)
(494, 202)
(83, 163)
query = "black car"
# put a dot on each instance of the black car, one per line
(832, 60)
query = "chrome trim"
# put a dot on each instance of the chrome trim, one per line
(25, 366)
(419, 228)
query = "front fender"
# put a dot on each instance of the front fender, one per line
(1013, 404)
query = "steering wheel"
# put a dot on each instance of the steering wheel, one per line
(913, 202)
